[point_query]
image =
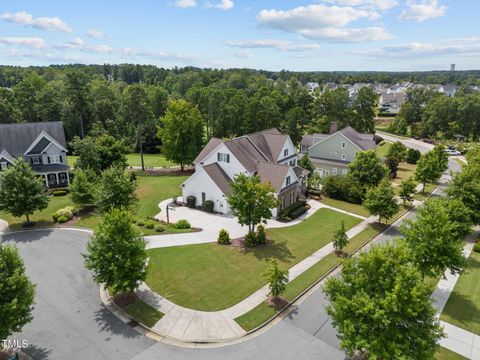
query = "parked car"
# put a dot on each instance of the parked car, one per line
(428, 141)
(452, 152)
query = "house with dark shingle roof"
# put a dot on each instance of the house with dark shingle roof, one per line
(42, 145)
(268, 154)
(331, 153)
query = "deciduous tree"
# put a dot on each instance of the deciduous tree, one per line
(16, 293)
(366, 169)
(117, 254)
(340, 238)
(21, 191)
(277, 279)
(380, 306)
(381, 201)
(115, 189)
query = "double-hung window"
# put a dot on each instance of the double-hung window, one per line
(221, 157)
(287, 181)
(344, 156)
(285, 153)
(344, 144)
(54, 159)
(35, 160)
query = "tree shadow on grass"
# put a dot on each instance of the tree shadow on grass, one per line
(109, 323)
(272, 249)
(461, 308)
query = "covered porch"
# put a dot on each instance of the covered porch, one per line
(56, 179)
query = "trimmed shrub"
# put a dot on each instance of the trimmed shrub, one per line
(343, 188)
(223, 237)
(413, 156)
(208, 206)
(378, 139)
(294, 211)
(140, 222)
(261, 235)
(159, 228)
(251, 239)
(476, 247)
(150, 224)
(182, 224)
(59, 193)
(191, 201)
(64, 215)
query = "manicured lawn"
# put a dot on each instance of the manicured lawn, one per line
(382, 150)
(212, 277)
(463, 305)
(405, 170)
(151, 190)
(142, 312)
(42, 218)
(428, 190)
(263, 312)
(445, 354)
(151, 160)
(346, 206)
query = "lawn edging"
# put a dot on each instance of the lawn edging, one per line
(283, 310)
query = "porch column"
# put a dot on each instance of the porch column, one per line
(46, 180)
(68, 177)
(56, 178)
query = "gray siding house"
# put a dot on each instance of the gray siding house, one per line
(331, 153)
(42, 145)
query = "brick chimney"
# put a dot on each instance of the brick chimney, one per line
(333, 127)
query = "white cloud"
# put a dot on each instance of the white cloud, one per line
(96, 34)
(376, 4)
(44, 23)
(447, 47)
(77, 42)
(323, 22)
(422, 11)
(243, 54)
(225, 5)
(185, 3)
(281, 45)
(33, 42)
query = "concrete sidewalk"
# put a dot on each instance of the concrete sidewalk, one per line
(456, 339)
(201, 326)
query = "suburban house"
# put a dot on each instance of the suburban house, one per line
(42, 145)
(269, 154)
(331, 153)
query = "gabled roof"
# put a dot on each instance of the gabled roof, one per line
(17, 138)
(39, 146)
(275, 174)
(270, 142)
(309, 140)
(211, 145)
(245, 152)
(219, 177)
(363, 141)
(6, 156)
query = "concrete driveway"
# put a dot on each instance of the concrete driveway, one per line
(70, 321)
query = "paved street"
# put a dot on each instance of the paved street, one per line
(70, 322)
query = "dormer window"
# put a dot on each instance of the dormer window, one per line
(344, 144)
(285, 153)
(287, 181)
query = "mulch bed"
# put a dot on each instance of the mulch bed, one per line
(170, 171)
(123, 300)
(277, 303)
(240, 243)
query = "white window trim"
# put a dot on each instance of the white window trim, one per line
(334, 171)
(35, 160)
(288, 180)
(344, 144)
(344, 156)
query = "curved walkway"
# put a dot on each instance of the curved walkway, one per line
(211, 224)
(201, 326)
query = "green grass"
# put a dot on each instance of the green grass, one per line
(151, 190)
(42, 218)
(142, 312)
(423, 195)
(263, 312)
(382, 150)
(212, 277)
(151, 160)
(346, 206)
(405, 170)
(445, 354)
(256, 317)
(463, 305)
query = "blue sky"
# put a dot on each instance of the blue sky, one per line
(397, 35)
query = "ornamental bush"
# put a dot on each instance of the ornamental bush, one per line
(413, 156)
(208, 206)
(223, 237)
(191, 201)
(251, 239)
(182, 224)
(261, 235)
(64, 215)
(159, 228)
(150, 224)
